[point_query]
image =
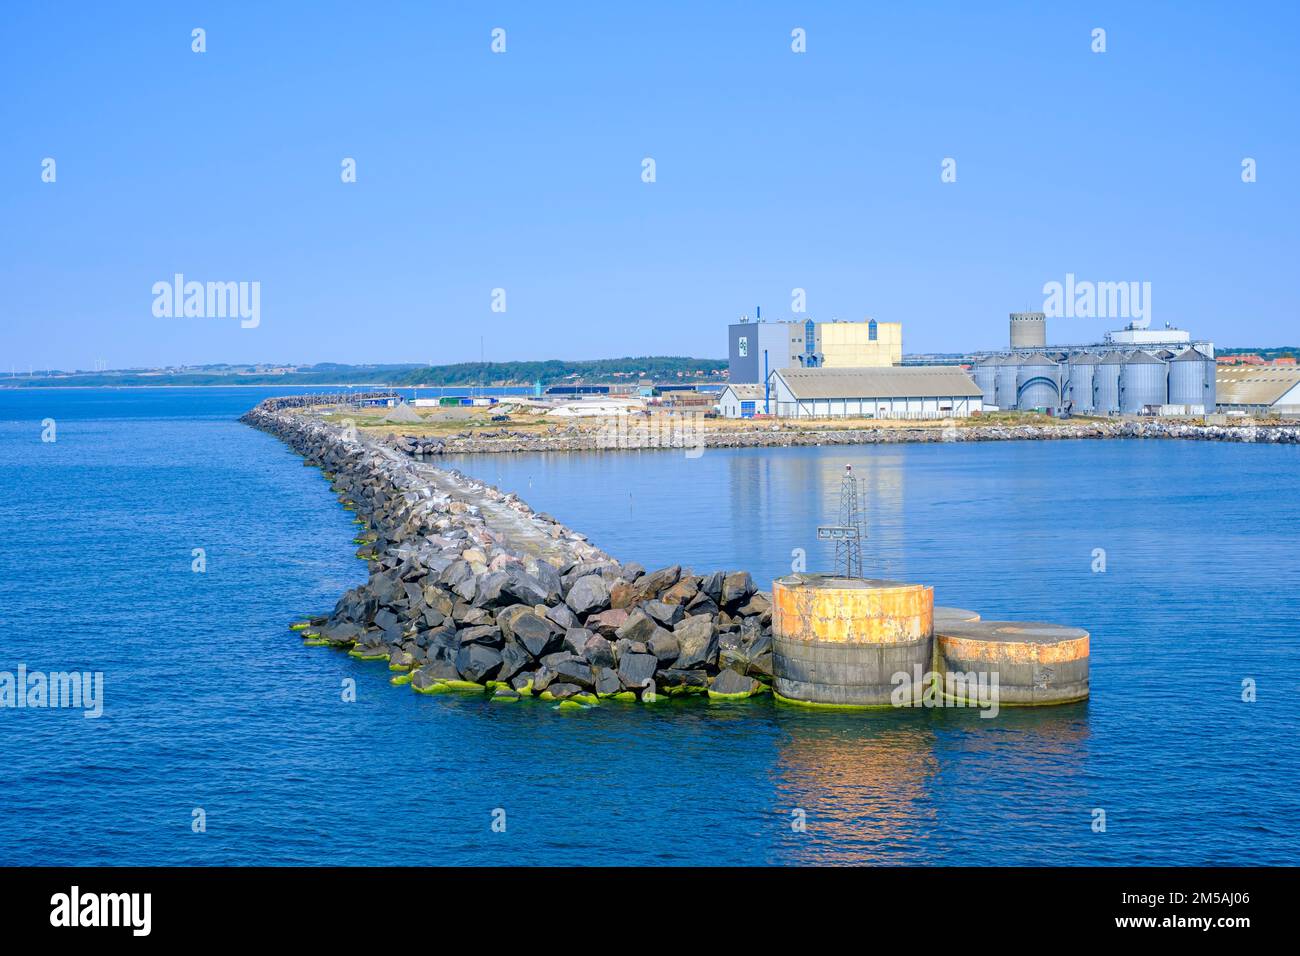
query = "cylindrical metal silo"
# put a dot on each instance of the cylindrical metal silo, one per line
(985, 374)
(1078, 392)
(1038, 383)
(1028, 330)
(1143, 381)
(1189, 383)
(1008, 369)
(1105, 384)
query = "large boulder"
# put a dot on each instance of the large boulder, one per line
(562, 616)
(637, 670)
(728, 683)
(588, 594)
(698, 641)
(664, 646)
(666, 614)
(639, 626)
(607, 622)
(575, 671)
(650, 586)
(607, 682)
(486, 634)
(512, 585)
(478, 663)
(599, 652)
(575, 640)
(682, 592)
(513, 660)
(736, 588)
(537, 634)
(507, 616)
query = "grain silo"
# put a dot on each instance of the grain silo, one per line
(1077, 395)
(1191, 380)
(985, 374)
(1028, 330)
(1143, 381)
(1008, 369)
(1105, 384)
(1038, 383)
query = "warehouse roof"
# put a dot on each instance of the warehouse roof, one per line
(919, 381)
(1254, 385)
(745, 392)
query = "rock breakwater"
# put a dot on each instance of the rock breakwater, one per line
(472, 590)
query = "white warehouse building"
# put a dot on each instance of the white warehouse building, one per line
(910, 392)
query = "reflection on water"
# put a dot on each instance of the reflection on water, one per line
(873, 787)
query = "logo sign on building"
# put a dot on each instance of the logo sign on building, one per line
(742, 345)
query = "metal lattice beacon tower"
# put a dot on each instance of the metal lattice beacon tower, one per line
(847, 535)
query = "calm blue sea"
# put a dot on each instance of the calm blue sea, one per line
(212, 705)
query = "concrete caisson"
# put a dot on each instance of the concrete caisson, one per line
(845, 641)
(953, 615)
(1035, 663)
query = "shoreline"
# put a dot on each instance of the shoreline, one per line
(507, 441)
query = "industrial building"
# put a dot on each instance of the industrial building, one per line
(1132, 371)
(1256, 390)
(756, 349)
(920, 392)
(741, 401)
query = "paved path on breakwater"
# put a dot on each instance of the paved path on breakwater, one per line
(516, 531)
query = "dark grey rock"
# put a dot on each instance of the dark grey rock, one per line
(730, 682)
(588, 594)
(698, 641)
(486, 635)
(736, 588)
(538, 635)
(663, 613)
(607, 681)
(664, 646)
(478, 663)
(635, 670)
(639, 626)
(599, 652)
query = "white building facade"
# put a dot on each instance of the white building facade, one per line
(904, 392)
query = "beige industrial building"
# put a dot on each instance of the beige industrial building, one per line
(868, 344)
(1258, 389)
(919, 392)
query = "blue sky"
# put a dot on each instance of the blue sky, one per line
(522, 171)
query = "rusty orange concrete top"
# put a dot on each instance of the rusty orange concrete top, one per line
(815, 607)
(1017, 641)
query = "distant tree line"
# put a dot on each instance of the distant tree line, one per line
(658, 368)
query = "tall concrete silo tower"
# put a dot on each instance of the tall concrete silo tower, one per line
(1028, 330)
